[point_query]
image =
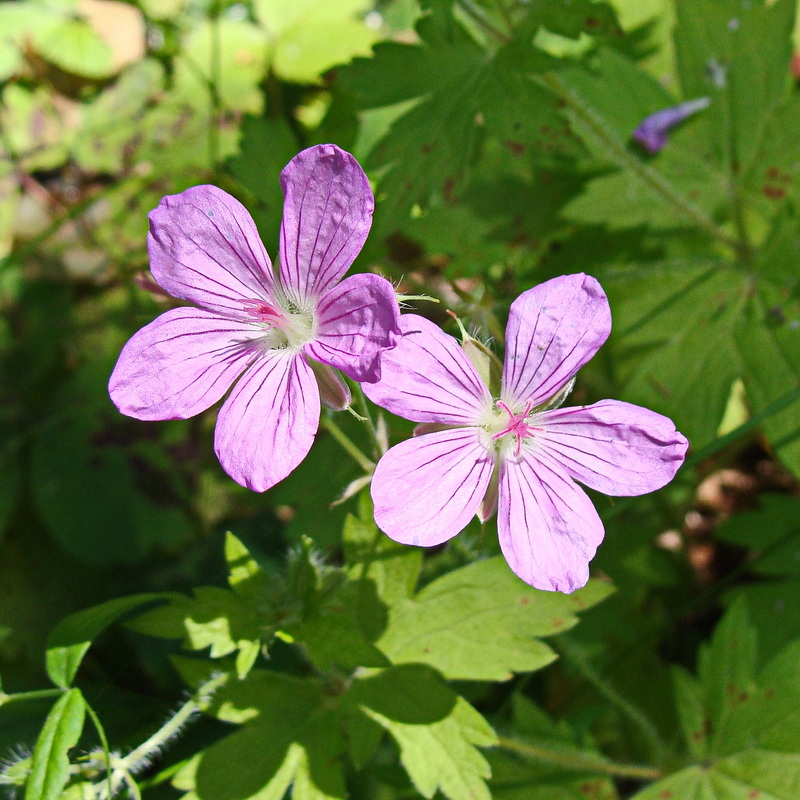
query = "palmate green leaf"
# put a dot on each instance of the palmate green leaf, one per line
(481, 622)
(738, 55)
(212, 618)
(685, 331)
(50, 762)
(679, 188)
(747, 736)
(774, 610)
(464, 93)
(73, 636)
(443, 756)
(436, 731)
(289, 738)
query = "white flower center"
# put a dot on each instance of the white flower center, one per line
(283, 325)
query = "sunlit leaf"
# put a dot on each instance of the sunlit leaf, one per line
(311, 36)
(481, 622)
(50, 763)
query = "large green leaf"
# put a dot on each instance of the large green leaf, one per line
(464, 92)
(481, 622)
(737, 54)
(686, 330)
(605, 101)
(443, 755)
(289, 737)
(50, 762)
(742, 726)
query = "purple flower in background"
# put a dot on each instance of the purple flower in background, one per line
(278, 334)
(653, 131)
(519, 453)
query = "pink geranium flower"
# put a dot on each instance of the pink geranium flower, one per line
(519, 453)
(280, 335)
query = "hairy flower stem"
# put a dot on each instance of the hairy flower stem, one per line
(122, 768)
(347, 444)
(579, 762)
(576, 656)
(653, 178)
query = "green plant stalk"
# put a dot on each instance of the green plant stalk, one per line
(579, 762)
(347, 445)
(101, 733)
(124, 767)
(575, 655)
(5, 699)
(654, 179)
(365, 411)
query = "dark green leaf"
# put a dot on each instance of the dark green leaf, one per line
(73, 636)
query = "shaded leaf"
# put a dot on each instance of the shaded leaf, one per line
(73, 636)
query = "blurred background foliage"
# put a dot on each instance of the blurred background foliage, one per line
(497, 134)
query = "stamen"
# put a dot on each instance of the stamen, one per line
(263, 312)
(517, 426)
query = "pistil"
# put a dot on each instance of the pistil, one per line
(517, 425)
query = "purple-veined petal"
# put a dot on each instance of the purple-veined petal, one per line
(267, 425)
(427, 377)
(204, 248)
(327, 214)
(180, 364)
(547, 526)
(427, 489)
(613, 447)
(553, 330)
(357, 320)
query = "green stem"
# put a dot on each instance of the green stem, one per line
(377, 450)
(5, 699)
(104, 744)
(654, 179)
(577, 657)
(579, 762)
(123, 768)
(213, 87)
(344, 440)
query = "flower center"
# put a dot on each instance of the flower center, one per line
(516, 425)
(283, 326)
